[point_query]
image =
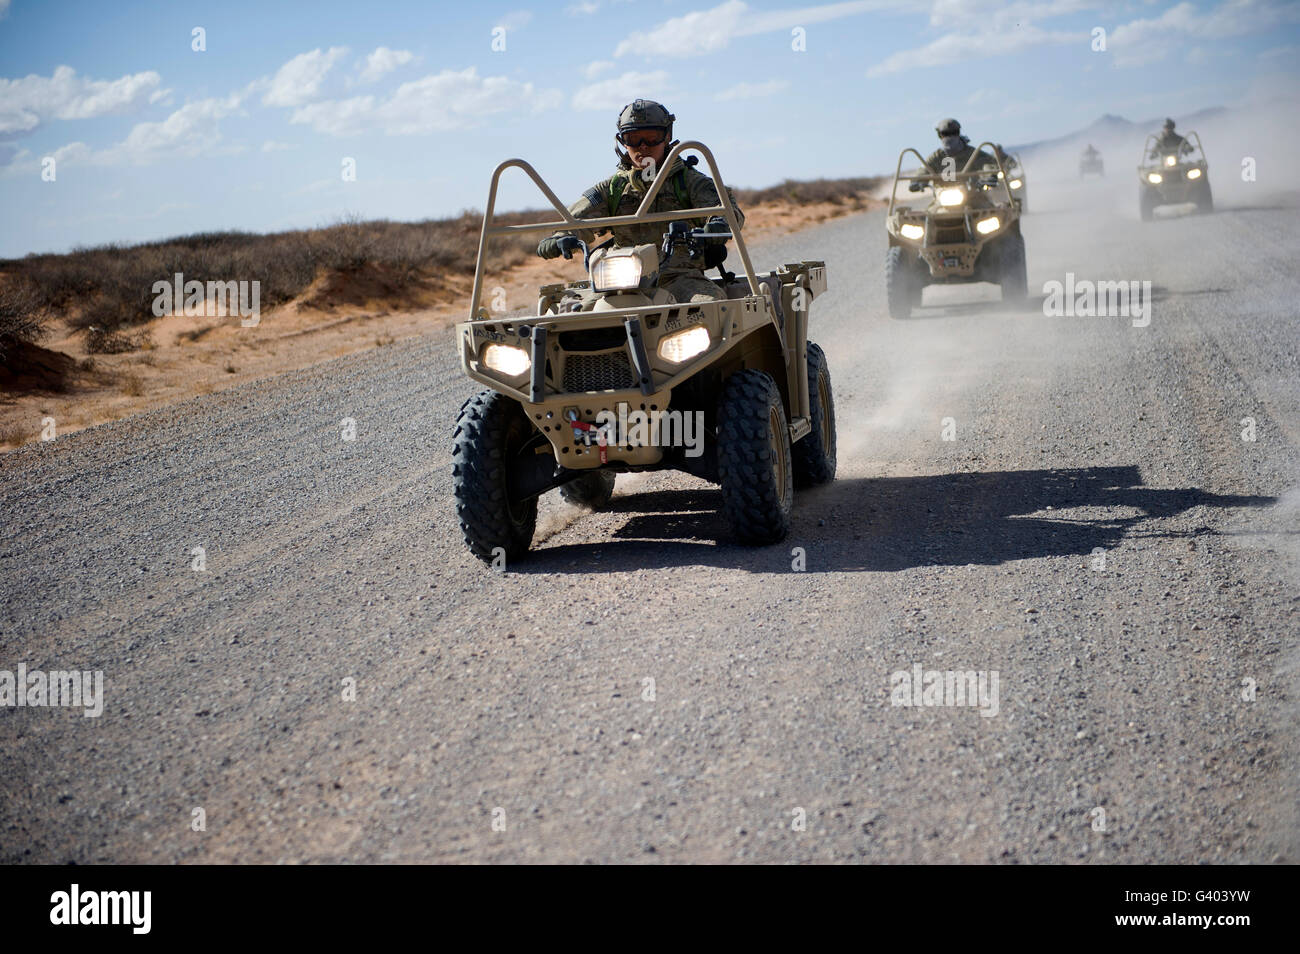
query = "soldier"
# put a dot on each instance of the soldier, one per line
(1169, 142)
(956, 146)
(1090, 152)
(646, 129)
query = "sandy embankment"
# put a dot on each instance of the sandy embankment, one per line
(191, 356)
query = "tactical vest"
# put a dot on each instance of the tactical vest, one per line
(617, 185)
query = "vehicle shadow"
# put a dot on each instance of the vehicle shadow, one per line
(895, 523)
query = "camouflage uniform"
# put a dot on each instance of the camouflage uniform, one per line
(1170, 142)
(961, 157)
(685, 189)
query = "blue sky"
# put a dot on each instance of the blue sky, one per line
(152, 138)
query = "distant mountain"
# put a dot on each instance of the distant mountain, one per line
(1110, 128)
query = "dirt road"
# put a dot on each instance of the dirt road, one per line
(1098, 533)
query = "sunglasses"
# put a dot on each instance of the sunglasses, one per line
(645, 141)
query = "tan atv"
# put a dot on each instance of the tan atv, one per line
(1173, 176)
(968, 230)
(611, 376)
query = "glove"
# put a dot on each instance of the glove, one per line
(555, 246)
(915, 186)
(717, 224)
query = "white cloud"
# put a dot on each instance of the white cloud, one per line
(705, 31)
(382, 61)
(515, 20)
(751, 90)
(299, 80)
(447, 100)
(28, 102)
(189, 131)
(272, 146)
(4, 9)
(583, 7)
(1149, 40)
(960, 47)
(596, 67)
(618, 91)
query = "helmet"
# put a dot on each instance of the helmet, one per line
(948, 127)
(1169, 124)
(645, 114)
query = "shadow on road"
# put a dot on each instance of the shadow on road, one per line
(895, 523)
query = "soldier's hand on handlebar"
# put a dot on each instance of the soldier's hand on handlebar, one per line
(915, 186)
(554, 246)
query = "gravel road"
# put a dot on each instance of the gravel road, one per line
(1097, 533)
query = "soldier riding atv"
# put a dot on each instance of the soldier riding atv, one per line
(968, 230)
(1173, 172)
(613, 373)
(1090, 163)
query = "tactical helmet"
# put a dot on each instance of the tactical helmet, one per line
(645, 114)
(948, 127)
(1169, 124)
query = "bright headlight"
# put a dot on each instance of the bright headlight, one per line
(913, 232)
(985, 226)
(684, 345)
(950, 197)
(1155, 178)
(506, 359)
(614, 273)
(1016, 183)
(1171, 160)
(1193, 173)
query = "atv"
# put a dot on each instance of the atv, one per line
(968, 231)
(1173, 176)
(613, 376)
(1090, 164)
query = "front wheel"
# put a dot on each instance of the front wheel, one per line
(592, 490)
(754, 468)
(1147, 204)
(902, 282)
(1014, 278)
(490, 432)
(814, 456)
(1205, 199)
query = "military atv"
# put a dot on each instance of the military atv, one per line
(968, 231)
(574, 391)
(1173, 176)
(1090, 163)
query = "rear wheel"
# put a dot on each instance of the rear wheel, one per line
(754, 459)
(592, 490)
(1146, 204)
(814, 456)
(1014, 277)
(902, 282)
(490, 432)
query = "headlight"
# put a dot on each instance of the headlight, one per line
(1171, 160)
(1016, 183)
(1000, 175)
(506, 359)
(950, 197)
(1193, 173)
(913, 232)
(684, 345)
(985, 226)
(1155, 178)
(615, 273)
